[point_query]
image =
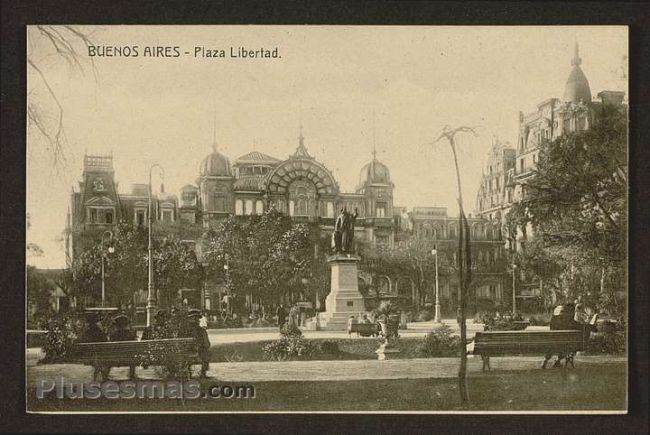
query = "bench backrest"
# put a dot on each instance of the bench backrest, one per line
(526, 342)
(126, 352)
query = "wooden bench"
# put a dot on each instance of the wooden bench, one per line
(364, 329)
(181, 352)
(547, 343)
(520, 325)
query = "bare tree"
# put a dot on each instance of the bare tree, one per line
(464, 261)
(62, 42)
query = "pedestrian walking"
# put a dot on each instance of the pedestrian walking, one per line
(281, 313)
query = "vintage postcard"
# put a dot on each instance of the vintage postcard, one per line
(388, 219)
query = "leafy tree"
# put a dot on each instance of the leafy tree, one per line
(39, 291)
(577, 204)
(267, 256)
(126, 268)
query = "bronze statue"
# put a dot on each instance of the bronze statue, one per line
(343, 234)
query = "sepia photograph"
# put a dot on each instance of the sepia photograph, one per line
(326, 219)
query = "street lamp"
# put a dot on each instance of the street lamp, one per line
(151, 296)
(110, 251)
(228, 304)
(514, 292)
(434, 252)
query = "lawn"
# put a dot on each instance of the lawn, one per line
(348, 348)
(588, 387)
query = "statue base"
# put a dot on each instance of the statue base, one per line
(344, 299)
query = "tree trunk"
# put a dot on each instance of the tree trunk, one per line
(463, 263)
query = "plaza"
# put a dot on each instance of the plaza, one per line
(296, 252)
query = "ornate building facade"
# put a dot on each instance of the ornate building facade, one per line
(299, 186)
(508, 168)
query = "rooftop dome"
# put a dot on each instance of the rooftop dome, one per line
(577, 86)
(374, 172)
(215, 165)
(256, 158)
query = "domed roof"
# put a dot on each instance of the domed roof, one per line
(577, 86)
(216, 165)
(374, 172)
(256, 158)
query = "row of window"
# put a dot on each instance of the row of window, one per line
(476, 232)
(106, 215)
(298, 207)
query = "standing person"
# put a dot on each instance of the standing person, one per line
(350, 323)
(294, 315)
(203, 321)
(282, 316)
(194, 330)
(122, 332)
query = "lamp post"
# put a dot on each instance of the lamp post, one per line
(434, 252)
(228, 304)
(151, 295)
(514, 292)
(110, 251)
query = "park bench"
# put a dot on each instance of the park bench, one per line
(520, 325)
(364, 329)
(170, 352)
(504, 343)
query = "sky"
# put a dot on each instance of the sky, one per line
(351, 87)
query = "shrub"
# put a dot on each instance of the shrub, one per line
(62, 332)
(290, 329)
(440, 342)
(386, 308)
(288, 347)
(329, 347)
(612, 343)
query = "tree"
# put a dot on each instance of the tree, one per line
(464, 260)
(39, 291)
(577, 204)
(175, 266)
(267, 257)
(62, 42)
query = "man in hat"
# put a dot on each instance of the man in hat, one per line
(122, 331)
(194, 330)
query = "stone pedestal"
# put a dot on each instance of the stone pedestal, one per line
(344, 299)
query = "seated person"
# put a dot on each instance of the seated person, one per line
(562, 320)
(365, 320)
(122, 331)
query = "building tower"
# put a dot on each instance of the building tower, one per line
(215, 186)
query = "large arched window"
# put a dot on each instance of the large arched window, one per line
(239, 207)
(259, 207)
(303, 195)
(248, 210)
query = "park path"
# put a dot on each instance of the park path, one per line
(264, 371)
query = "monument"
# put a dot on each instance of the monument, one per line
(344, 299)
